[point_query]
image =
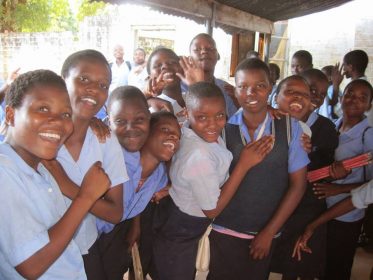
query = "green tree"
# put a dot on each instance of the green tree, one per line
(44, 15)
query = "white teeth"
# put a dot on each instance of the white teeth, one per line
(169, 144)
(50, 135)
(296, 106)
(90, 100)
(211, 132)
(168, 75)
(253, 102)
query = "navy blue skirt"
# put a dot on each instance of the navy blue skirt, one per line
(176, 244)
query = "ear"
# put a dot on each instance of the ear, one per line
(9, 115)
(218, 56)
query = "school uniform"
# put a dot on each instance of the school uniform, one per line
(112, 245)
(363, 196)
(111, 157)
(30, 204)
(175, 106)
(344, 231)
(324, 141)
(197, 172)
(256, 199)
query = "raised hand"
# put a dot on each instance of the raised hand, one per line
(191, 72)
(95, 183)
(337, 75)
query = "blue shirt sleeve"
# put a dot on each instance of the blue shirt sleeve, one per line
(298, 158)
(22, 233)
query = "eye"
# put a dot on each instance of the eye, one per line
(201, 118)
(43, 109)
(165, 129)
(220, 116)
(66, 115)
(120, 122)
(104, 86)
(83, 79)
(261, 86)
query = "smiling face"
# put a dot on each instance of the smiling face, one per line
(203, 52)
(207, 117)
(129, 120)
(41, 124)
(356, 100)
(319, 90)
(139, 57)
(88, 84)
(295, 98)
(164, 139)
(164, 63)
(252, 90)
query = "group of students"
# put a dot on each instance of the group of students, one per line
(76, 196)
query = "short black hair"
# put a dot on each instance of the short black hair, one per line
(361, 82)
(84, 55)
(328, 69)
(201, 90)
(315, 73)
(304, 55)
(126, 93)
(276, 68)
(253, 64)
(252, 54)
(157, 116)
(27, 81)
(142, 50)
(358, 59)
(292, 77)
(203, 35)
(157, 50)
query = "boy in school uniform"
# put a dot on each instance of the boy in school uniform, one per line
(243, 234)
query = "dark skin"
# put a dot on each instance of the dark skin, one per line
(253, 88)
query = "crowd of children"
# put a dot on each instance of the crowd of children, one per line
(187, 153)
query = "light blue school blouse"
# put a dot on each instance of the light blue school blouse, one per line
(298, 158)
(30, 204)
(110, 154)
(351, 145)
(136, 202)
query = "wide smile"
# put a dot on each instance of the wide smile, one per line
(53, 137)
(89, 101)
(296, 106)
(170, 146)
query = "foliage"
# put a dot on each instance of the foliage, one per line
(44, 15)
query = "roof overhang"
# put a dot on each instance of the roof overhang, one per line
(238, 15)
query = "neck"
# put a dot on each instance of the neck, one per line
(174, 92)
(253, 120)
(355, 75)
(119, 61)
(349, 122)
(148, 162)
(209, 75)
(305, 117)
(80, 131)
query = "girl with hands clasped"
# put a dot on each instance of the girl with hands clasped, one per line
(355, 138)
(36, 237)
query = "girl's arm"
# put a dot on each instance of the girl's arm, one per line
(108, 208)
(337, 210)
(251, 155)
(95, 183)
(262, 242)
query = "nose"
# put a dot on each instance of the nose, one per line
(250, 91)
